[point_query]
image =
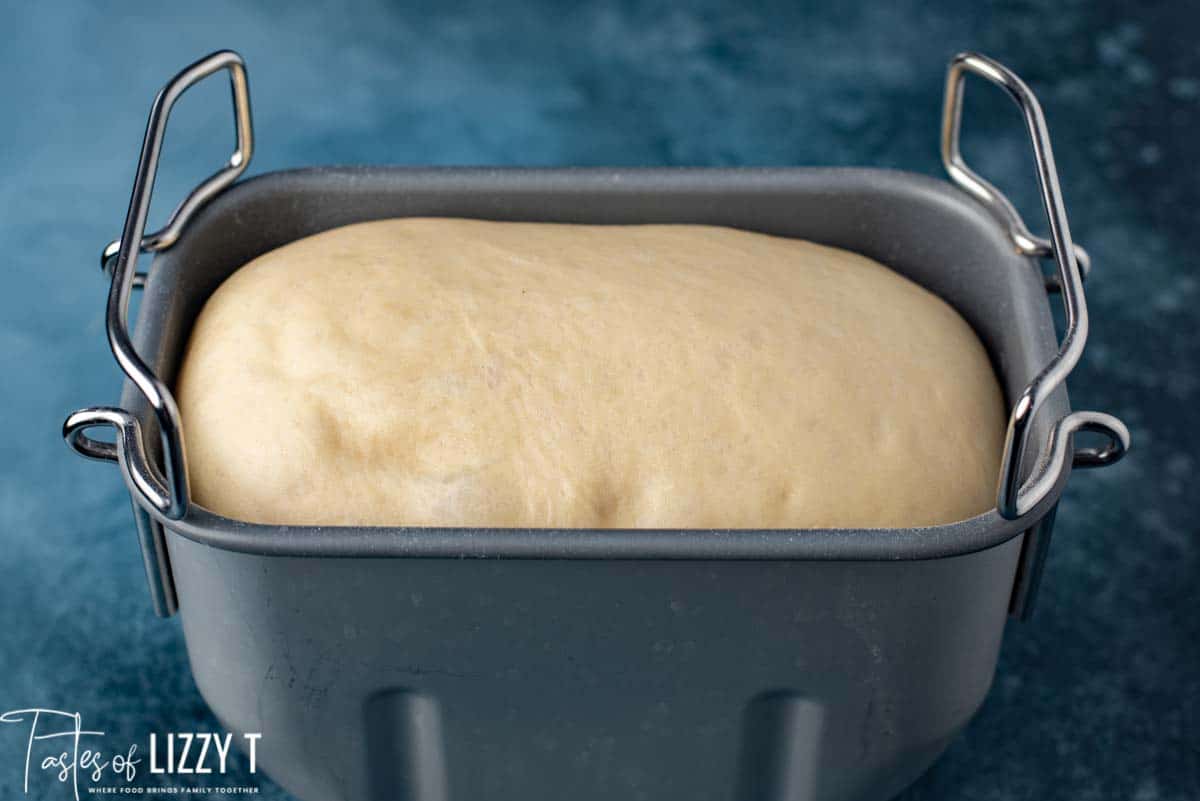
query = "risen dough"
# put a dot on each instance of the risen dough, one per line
(449, 372)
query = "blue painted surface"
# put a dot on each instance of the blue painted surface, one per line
(1097, 698)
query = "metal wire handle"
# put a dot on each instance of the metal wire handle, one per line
(1014, 499)
(1026, 243)
(168, 494)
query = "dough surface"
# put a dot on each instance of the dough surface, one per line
(449, 372)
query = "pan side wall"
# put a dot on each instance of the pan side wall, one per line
(444, 679)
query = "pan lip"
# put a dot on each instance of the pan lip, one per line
(615, 179)
(978, 533)
(981, 532)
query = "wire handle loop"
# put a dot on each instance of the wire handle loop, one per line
(167, 493)
(1026, 243)
(1014, 499)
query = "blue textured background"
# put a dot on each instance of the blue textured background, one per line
(1097, 698)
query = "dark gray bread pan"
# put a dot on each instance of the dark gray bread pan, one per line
(603, 664)
(452, 664)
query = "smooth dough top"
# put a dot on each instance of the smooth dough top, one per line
(449, 372)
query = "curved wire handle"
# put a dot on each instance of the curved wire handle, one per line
(1013, 499)
(1026, 243)
(168, 494)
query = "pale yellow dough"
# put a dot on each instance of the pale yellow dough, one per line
(446, 372)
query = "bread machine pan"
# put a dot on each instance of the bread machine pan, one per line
(434, 664)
